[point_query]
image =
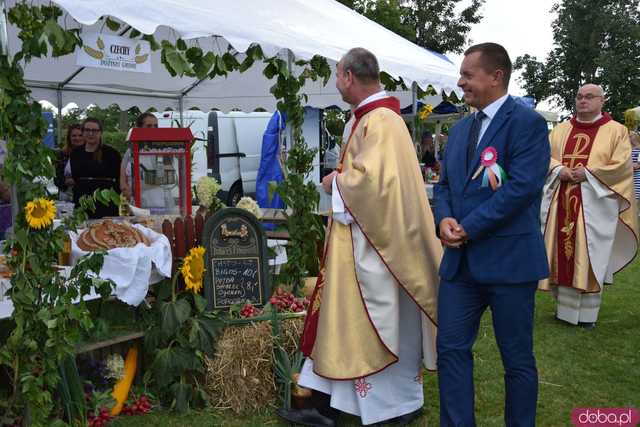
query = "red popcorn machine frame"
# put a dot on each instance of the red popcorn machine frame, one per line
(159, 147)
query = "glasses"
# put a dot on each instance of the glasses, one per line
(588, 97)
(85, 130)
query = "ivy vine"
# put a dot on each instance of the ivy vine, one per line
(47, 323)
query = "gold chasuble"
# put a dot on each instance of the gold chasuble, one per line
(586, 243)
(382, 188)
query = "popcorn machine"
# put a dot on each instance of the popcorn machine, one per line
(162, 169)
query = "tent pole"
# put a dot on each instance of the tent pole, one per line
(181, 107)
(59, 118)
(414, 111)
(437, 139)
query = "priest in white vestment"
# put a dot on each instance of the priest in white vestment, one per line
(371, 324)
(588, 213)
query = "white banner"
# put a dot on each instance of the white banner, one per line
(115, 53)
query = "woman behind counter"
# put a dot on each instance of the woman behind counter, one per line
(63, 179)
(95, 167)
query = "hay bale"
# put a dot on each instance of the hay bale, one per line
(240, 376)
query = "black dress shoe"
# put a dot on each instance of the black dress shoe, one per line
(587, 325)
(403, 420)
(306, 417)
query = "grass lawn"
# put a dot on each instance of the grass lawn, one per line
(577, 368)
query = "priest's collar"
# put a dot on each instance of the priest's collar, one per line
(381, 100)
(604, 118)
(375, 97)
(598, 117)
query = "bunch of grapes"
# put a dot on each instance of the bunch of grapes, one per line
(140, 406)
(249, 311)
(99, 420)
(284, 301)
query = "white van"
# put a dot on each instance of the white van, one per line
(228, 146)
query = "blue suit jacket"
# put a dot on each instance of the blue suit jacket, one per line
(505, 241)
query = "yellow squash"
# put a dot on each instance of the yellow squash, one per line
(122, 387)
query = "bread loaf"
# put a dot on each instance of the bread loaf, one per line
(107, 235)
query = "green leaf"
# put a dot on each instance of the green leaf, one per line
(162, 366)
(180, 44)
(173, 314)
(176, 62)
(194, 53)
(4, 83)
(135, 33)
(200, 303)
(113, 25)
(203, 334)
(182, 396)
(270, 70)
(153, 44)
(54, 33)
(153, 339)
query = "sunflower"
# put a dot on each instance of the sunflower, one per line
(193, 269)
(40, 213)
(425, 111)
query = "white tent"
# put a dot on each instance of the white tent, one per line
(306, 27)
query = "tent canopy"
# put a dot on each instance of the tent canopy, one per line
(307, 28)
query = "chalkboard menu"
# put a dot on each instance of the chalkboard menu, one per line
(236, 259)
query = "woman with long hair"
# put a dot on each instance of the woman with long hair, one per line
(63, 179)
(96, 167)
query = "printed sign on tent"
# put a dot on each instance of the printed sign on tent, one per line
(114, 53)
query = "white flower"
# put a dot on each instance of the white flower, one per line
(115, 367)
(206, 190)
(248, 204)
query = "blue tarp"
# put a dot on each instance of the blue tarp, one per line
(50, 138)
(445, 107)
(269, 169)
(527, 101)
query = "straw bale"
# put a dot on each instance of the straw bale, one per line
(240, 375)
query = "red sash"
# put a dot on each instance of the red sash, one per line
(576, 154)
(313, 311)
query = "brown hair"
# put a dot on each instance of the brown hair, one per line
(493, 57)
(67, 145)
(97, 155)
(141, 117)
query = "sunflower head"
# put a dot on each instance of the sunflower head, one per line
(193, 269)
(425, 112)
(40, 213)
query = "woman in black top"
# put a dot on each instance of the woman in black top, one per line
(428, 151)
(63, 181)
(95, 167)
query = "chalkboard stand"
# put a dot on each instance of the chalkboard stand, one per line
(236, 260)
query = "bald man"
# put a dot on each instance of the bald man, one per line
(588, 212)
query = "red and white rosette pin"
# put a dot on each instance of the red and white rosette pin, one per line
(494, 175)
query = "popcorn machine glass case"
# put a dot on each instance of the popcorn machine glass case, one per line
(162, 169)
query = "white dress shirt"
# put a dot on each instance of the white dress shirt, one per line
(490, 110)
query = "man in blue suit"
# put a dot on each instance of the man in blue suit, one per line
(487, 211)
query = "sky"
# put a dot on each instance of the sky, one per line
(521, 26)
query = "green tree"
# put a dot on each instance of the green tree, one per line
(594, 41)
(439, 28)
(110, 116)
(432, 24)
